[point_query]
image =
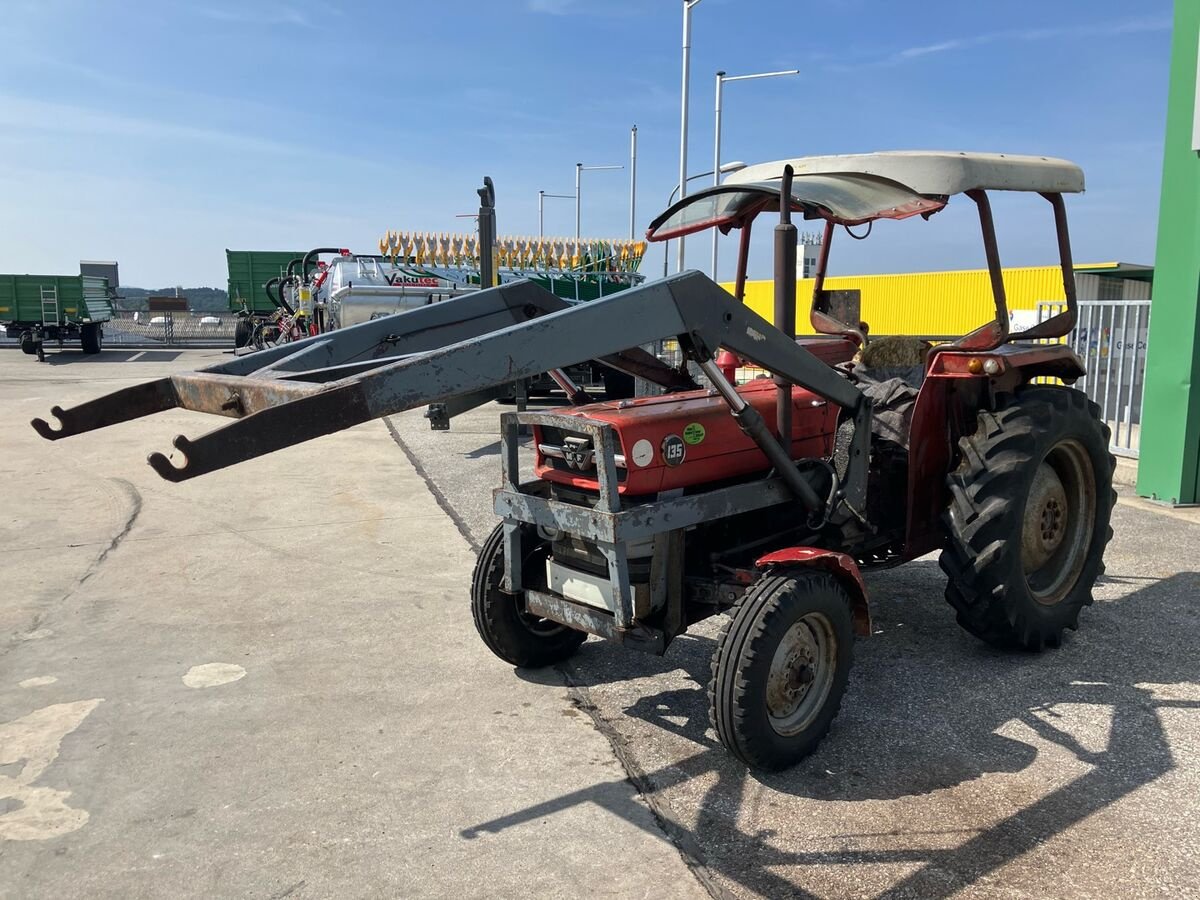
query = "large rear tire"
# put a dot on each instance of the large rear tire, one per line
(780, 668)
(91, 337)
(1029, 518)
(514, 635)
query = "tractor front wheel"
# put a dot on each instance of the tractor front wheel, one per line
(1029, 518)
(780, 668)
(517, 637)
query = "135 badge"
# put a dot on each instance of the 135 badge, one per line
(673, 450)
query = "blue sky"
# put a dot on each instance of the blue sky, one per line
(160, 133)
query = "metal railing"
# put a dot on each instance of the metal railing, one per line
(1110, 337)
(170, 329)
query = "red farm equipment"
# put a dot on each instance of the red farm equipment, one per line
(762, 501)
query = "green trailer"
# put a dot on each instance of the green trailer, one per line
(39, 308)
(249, 270)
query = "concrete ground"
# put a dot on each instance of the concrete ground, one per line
(952, 769)
(372, 747)
(266, 683)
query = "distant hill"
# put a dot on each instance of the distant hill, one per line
(202, 299)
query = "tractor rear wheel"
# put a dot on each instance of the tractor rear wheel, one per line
(780, 668)
(517, 637)
(1029, 518)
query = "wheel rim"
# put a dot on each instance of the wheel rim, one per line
(534, 561)
(1060, 516)
(539, 626)
(801, 675)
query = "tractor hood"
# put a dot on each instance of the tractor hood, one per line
(679, 440)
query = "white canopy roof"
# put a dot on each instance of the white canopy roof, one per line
(939, 173)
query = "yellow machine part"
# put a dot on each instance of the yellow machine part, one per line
(921, 303)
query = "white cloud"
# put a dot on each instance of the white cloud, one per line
(258, 15)
(29, 116)
(593, 8)
(1028, 35)
(552, 7)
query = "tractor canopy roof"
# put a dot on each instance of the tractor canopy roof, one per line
(855, 188)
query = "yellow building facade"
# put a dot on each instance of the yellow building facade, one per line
(924, 303)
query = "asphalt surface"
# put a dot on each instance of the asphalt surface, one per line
(952, 769)
(265, 682)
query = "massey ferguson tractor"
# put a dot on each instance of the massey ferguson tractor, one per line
(763, 501)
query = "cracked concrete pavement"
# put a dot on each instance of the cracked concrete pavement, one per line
(372, 747)
(266, 682)
(952, 769)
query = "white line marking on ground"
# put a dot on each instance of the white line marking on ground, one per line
(136, 356)
(39, 681)
(213, 675)
(32, 742)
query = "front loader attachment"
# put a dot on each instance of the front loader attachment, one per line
(300, 391)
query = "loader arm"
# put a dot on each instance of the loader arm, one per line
(325, 384)
(281, 374)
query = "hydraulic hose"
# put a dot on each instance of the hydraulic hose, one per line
(279, 302)
(309, 258)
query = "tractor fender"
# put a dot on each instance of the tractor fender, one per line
(840, 565)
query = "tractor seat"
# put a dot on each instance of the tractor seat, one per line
(895, 356)
(890, 371)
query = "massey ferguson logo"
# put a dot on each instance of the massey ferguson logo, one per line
(578, 453)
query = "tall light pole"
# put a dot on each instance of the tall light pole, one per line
(728, 167)
(683, 113)
(632, 181)
(542, 195)
(721, 79)
(580, 168)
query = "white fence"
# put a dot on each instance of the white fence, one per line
(170, 329)
(1110, 337)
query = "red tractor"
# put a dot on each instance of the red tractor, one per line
(763, 501)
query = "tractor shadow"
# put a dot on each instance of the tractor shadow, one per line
(67, 356)
(924, 711)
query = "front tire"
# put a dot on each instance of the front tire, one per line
(1029, 518)
(780, 668)
(514, 635)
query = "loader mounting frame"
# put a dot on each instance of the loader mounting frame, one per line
(325, 384)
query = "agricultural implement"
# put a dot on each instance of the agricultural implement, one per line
(36, 309)
(309, 295)
(764, 500)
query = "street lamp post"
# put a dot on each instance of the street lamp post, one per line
(632, 181)
(728, 167)
(542, 195)
(683, 113)
(580, 168)
(721, 79)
